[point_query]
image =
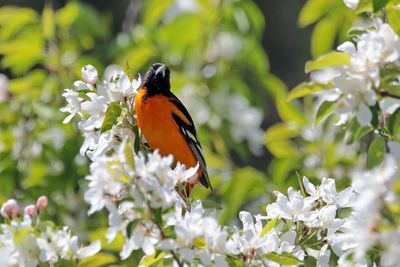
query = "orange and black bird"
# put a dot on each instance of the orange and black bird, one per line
(166, 124)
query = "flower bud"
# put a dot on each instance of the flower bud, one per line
(10, 209)
(41, 203)
(89, 74)
(30, 210)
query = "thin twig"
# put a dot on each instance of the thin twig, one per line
(384, 93)
(163, 237)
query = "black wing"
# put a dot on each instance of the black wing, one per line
(188, 131)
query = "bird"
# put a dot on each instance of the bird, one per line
(166, 124)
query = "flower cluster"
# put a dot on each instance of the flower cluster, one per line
(92, 101)
(145, 205)
(24, 242)
(364, 228)
(139, 195)
(356, 85)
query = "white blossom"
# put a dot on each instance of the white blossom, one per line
(294, 207)
(73, 105)
(89, 74)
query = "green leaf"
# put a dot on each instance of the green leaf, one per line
(378, 4)
(282, 259)
(354, 32)
(200, 243)
(136, 144)
(323, 110)
(364, 6)
(128, 70)
(100, 259)
(376, 152)
(209, 204)
(132, 225)
(100, 234)
(253, 14)
(157, 214)
(291, 112)
(153, 12)
(394, 123)
(65, 263)
(312, 11)
(357, 131)
(301, 184)
(393, 13)
(324, 34)
(14, 19)
(307, 88)
(277, 140)
(246, 184)
(269, 226)
(48, 19)
(281, 131)
(329, 60)
(149, 260)
(112, 114)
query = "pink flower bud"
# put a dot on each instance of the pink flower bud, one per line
(30, 210)
(41, 203)
(10, 209)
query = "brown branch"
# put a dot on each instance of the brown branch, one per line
(384, 93)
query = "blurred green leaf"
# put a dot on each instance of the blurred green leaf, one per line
(393, 14)
(394, 123)
(253, 57)
(153, 11)
(282, 259)
(357, 131)
(246, 184)
(22, 53)
(139, 56)
(253, 14)
(290, 112)
(209, 204)
(100, 259)
(364, 6)
(100, 234)
(14, 20)
(170, 35)
(312, 11)
(84, 19)
(324, 34)
(378, 4)
(37, 172)
(281, 131)
(307, 88)
(275, 87)
(268, 227)
(149, 260)
(354, 32)
(323, 110)
(277, 140)
(329, 60)
(48, 22)
(376, 152)
(112, 114)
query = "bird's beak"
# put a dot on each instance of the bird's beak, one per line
(162, 70)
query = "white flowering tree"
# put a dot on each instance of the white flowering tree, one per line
(347, 128)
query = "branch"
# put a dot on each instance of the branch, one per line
(384, 93)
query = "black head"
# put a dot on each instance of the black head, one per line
(156, 79)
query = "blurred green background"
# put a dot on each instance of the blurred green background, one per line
(232, 63)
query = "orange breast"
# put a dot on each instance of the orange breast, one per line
(154, 118)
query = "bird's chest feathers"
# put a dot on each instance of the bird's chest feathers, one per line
(154, 115)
